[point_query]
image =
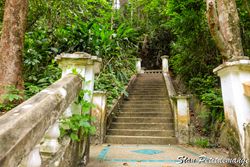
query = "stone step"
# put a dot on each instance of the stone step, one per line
(149, 85)
(148, 90)
(148, 96)
(148, 81)
(144, 126)
(145, 114)
(134, 132)
(145, 105)
(150, 78)
(154, 82)
(140, 140)
(153, 110)
(146, 99)
(143, 120)
(159, 102)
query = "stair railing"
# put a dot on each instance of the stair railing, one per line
(30, 133)
(179, 104)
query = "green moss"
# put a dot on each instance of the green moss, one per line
(230, 140)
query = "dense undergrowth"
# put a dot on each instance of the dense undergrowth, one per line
(145, 28)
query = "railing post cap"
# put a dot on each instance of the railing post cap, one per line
(139, 59)
(234, 63)
(102, 92)
(188, 96)
(164, 57)
(78, 56)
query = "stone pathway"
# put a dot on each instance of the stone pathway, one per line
(151, 156)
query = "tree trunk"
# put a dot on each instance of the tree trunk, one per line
(223, 22)
(11, 44)
(123, 2)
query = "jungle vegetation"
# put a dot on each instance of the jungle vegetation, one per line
(139, 28)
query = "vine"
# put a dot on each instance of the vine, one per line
(79, 124)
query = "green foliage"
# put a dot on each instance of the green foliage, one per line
(194, 56)
(78, 125)
(149, 18)
(1, 10)
(213, 100)
(204, 143)
(113, 86)
(193, 51)
(64, 27)
(174, 27)
(12, 98)
(244, 14)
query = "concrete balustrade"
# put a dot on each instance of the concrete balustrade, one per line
(99, 112)
(138, 66)
(235, 77)
(181, 111)
(51, 144)
(23, 128)
(182, 118)
(165, 66)
(33, 159)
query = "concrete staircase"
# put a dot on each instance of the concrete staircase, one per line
(145, 117)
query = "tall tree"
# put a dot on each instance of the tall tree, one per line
(223, 22)
(11, 44)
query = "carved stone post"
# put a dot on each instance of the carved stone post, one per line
(138, 66)
(86, 66)
(183, 118)
(234, 74)
(99, 113)
(165, 67)
(33, 159)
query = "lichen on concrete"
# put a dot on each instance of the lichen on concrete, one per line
(230, 139)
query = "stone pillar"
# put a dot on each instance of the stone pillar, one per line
(85, 64)
(183, 118)
(165, 67)
(233, 75)
(99, 113)
(138, 66)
